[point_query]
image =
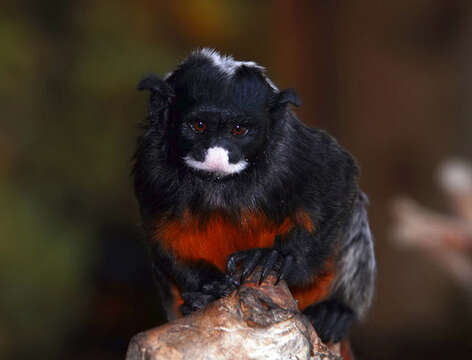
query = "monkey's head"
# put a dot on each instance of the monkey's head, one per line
(216, 113)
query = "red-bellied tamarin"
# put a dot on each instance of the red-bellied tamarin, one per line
(228, 178)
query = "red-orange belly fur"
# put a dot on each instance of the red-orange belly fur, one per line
(219, 237)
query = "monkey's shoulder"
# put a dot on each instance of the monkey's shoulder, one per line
(316, 158)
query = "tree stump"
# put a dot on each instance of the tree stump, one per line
(254, 322)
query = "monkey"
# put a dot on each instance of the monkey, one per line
(229, 180)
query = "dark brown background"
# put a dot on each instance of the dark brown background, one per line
(390, 79)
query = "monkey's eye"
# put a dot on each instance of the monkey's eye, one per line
(239, 130)
(198, 126)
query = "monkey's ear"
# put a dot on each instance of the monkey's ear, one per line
(288, 96)
(282, 99)
(161, 92)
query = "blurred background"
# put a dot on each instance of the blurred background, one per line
(392, 80)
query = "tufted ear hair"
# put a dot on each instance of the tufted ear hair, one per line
(161, 93)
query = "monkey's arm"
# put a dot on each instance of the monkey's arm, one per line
(328, 201)
(340, 237)
(187, 286)
(302, 258)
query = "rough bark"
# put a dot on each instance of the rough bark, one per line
(254, 322)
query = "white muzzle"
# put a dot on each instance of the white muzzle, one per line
(217, 162)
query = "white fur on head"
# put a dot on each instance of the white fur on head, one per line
(228, 65)
(217, 162)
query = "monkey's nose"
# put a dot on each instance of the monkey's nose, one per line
(217, 159)
(232, 151)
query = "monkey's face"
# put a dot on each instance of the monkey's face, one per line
(221, 112)
(222, 109)
(221, 141)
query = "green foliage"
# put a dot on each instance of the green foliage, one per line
(42, 262)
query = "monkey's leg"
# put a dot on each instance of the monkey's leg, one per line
(331, 319)
(353, 286)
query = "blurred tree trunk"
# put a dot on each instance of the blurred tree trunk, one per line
(304, 41)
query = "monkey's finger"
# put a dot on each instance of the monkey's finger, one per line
(233, 261)
(234, 283)
(285, 269)
(268, 265)
(249, 265)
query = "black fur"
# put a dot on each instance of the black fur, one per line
(290, 167)
(332, 319)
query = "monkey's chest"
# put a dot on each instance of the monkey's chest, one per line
(213, 241)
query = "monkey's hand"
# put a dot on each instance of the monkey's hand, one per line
(269, 260)
(207, 293)
(331, 320)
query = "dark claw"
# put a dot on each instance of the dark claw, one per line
(269, 260)
(250, 265)
(268, 265)
(285, 269)
(233, 260)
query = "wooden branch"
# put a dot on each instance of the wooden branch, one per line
(254, 322)
(422, 227)
(448, 239)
